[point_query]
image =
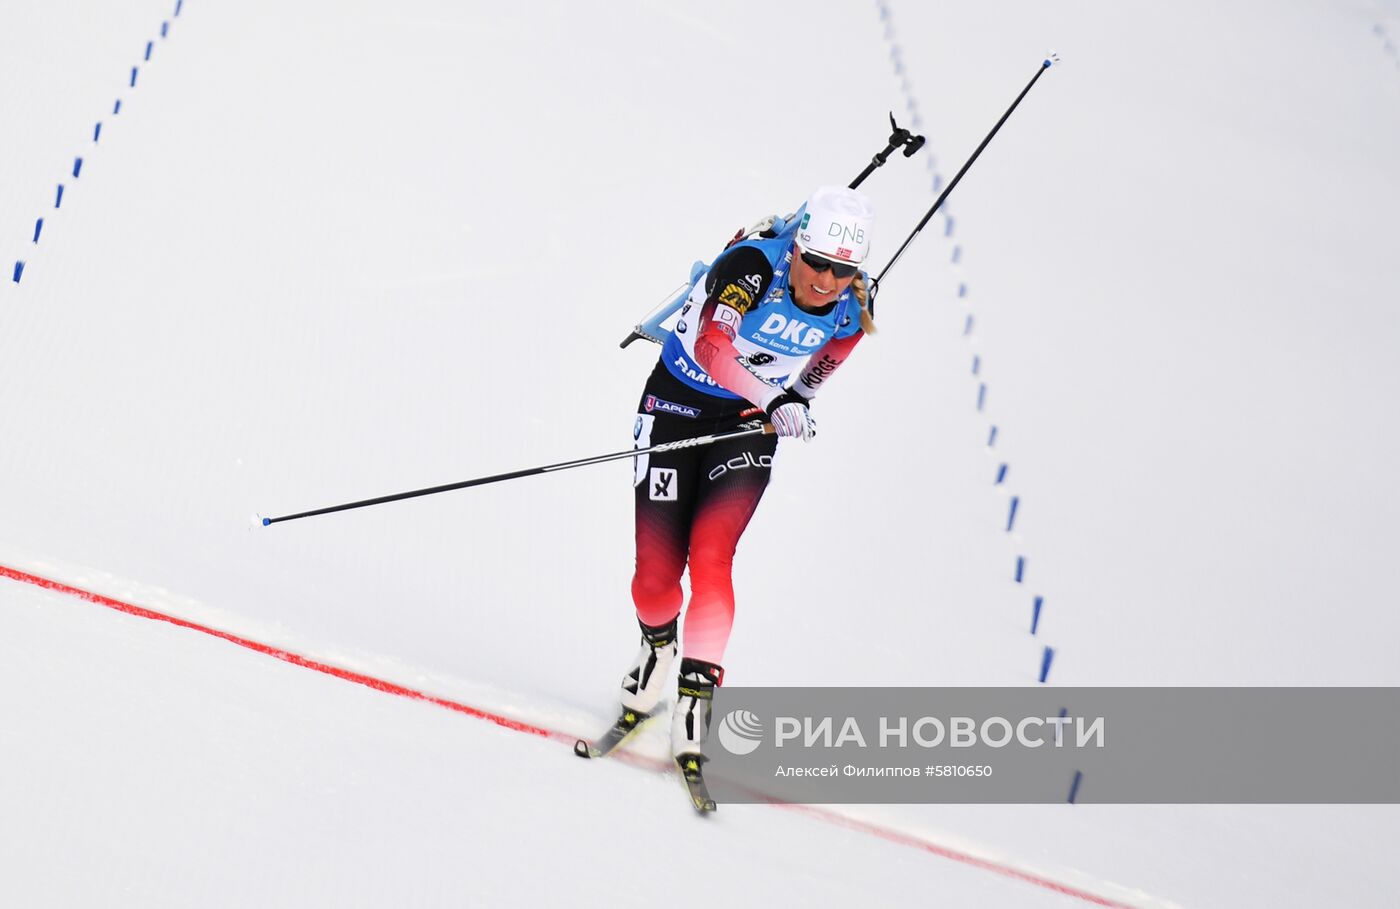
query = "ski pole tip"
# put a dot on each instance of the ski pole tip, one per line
(266, 521)
(1051, 59)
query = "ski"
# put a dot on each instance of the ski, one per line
(623, 729)
(620, 731)
(689, 766)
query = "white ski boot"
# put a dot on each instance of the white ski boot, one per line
(690, 724)
(645, 682)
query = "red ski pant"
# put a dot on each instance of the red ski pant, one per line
(692, 506)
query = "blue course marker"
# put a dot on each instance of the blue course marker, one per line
(150, 45)
(180, 3)
(38, 227)
(1020, 569)
(992, 438)
(164, 29)
(962, 290)
(1045, 663)
(967, 325)
(77, 166)
(117, 108)
(58, 200)
(948, 227)
(133, 77)
(976, 365)
(97, 131)
(1001, 474)
(957, 254)
(981, 395)
(1011, 517)
(19, 270)
(1035, 613)
(1074, 786)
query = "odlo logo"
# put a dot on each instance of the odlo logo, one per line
(740, 732)
(740, 462)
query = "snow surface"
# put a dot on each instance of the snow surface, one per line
(329, 251)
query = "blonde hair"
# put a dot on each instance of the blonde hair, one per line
(867, 321)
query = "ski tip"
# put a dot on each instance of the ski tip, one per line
(584, 750)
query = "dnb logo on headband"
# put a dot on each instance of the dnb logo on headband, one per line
(842, 233)
(654, 404)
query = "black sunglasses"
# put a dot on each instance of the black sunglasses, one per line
(817, 263)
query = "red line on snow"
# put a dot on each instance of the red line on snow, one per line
(295, 659)
(906, 839)
(359, 678)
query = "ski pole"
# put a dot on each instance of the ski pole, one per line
(1052, 59)
(899, 137)
(765, 429)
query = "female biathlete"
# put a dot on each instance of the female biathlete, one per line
(767, 308)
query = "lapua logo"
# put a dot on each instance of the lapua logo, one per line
(794, 330)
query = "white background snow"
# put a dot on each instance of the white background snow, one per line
(333, 250)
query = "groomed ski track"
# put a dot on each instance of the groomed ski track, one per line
(309, 253)
(825, 814)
